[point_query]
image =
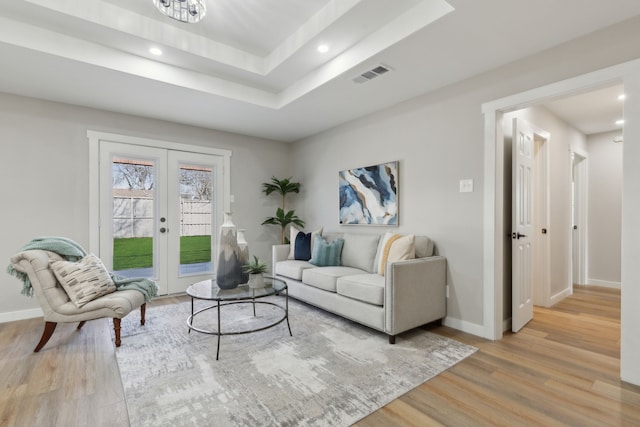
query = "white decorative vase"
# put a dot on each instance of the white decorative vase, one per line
(229, 273)
(256, 280)
(243, 255)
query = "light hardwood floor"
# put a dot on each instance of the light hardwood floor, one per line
(561, 369)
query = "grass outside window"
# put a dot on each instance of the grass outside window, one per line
(137, 252)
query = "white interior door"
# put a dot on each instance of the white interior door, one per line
(579, 210)
(159, 209)
(522, 224)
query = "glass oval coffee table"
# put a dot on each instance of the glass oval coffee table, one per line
(208, 290)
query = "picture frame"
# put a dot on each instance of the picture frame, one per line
(369, 195)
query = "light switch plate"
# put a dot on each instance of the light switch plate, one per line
(466, 185)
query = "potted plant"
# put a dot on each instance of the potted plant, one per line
(256, 269)
(282, 218)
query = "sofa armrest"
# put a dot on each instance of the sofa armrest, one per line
(278, 253)
(415, 293)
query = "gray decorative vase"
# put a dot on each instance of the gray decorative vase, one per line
(229, 273)
(243, 255)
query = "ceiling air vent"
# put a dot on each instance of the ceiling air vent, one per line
(372, 74)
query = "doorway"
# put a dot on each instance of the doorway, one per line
(579, 216)
(559, 220)
(158, 207)
(494, 247)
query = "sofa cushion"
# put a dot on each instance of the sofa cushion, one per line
(326, 277)
(394, 247)
(368, 288)
(291, 268)
(326, 253)
(359, 251)
(424, 247)
(307, 241)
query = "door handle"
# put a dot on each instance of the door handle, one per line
(517, 235)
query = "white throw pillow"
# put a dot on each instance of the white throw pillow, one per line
(84, 280)
(394, 247)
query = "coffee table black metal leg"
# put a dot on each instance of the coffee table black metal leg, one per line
(254, 302)
(218, 350)
(286, 309)
(189, 331)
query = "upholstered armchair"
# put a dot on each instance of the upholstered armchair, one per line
(58, 307)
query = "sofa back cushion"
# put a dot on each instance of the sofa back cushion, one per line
(424, 247)
(359, 251)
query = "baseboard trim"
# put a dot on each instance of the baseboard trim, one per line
(12, 316)
(464, 326)
(559, 296)
(604, 283)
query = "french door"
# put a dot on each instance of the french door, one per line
(159, 210)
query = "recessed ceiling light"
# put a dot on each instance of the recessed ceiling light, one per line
(323, 48)
(622, 97)
(620, 122)
(155, 51)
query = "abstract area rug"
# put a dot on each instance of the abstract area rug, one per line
(331, 372)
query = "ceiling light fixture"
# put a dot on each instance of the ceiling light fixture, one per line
(622, 97)
(155, 51)
(620, 122)
(323, 48)
(189, 11)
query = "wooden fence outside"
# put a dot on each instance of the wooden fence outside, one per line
(133, 217)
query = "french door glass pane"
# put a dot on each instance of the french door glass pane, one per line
(196, 215)
(133, 217)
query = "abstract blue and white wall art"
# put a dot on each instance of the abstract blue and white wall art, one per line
(369, 195)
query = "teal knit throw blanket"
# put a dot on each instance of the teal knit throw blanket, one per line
(72, 251)
(66, 248)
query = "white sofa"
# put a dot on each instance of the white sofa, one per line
(411, 293)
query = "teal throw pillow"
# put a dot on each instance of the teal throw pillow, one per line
(326, 253)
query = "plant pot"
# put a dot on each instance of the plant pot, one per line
(256, 280)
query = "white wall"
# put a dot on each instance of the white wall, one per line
(438, 139)
(433, 143)
(630, 315)
(44, 172)
(563, 139)
(604, 209)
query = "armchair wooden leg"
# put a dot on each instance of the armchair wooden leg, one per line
(81, 324)
(143, 310)
(392, 339)
(116, 328)
(49, 327)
